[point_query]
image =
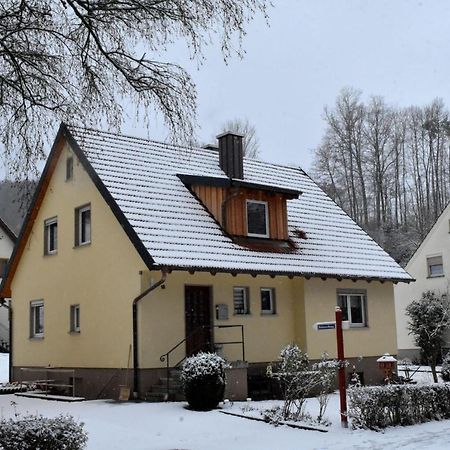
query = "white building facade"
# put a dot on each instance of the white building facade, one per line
(430, 267)
(7, 241)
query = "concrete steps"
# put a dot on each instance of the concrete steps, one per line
(158, 392)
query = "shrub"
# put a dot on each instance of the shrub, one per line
(203, 378)
(37, 432)
(378, 407)
(445, 369)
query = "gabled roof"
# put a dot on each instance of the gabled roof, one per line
(140, 181)
(8, 230)
(179, 233)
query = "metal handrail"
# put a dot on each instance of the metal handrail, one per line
(166, 356)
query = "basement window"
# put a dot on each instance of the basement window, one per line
(83, 225)
(435, 266)
(51, 236)
(241, 300)
(37, 319)
(257, 218)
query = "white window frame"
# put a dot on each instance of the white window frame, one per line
(47, 224)
(430, 259)
(34, 305)
(79, 212)
(75, 318)
(266, 204)
(363, 295)
(272, 309)
(245, 291)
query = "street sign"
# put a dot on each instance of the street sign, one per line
(330, 325)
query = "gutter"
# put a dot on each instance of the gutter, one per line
(135, 330)
(5, 305)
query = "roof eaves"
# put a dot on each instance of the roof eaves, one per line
(8, 230)
(306, 275)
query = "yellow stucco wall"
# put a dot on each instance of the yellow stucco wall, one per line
(102, 277)
(377, 338)
(161, 316)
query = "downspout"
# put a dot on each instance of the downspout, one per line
(135, 330)
(5, 305)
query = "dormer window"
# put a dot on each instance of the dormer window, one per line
(257, 219)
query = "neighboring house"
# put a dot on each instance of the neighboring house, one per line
(430, 266)
(130, 242)
(7, 241)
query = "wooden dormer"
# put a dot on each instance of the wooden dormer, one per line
(231, 202)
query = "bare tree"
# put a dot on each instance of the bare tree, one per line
(250, 142)
(77, 60)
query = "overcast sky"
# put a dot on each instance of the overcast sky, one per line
(311, 50)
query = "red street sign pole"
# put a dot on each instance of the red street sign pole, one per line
(340, 354)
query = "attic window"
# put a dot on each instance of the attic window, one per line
(69, 168)
(435, 266)
(257, 219)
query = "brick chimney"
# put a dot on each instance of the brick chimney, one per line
(231, 154)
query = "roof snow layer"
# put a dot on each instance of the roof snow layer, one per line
(179, 233)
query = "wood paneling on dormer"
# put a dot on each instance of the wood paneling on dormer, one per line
(213, 197)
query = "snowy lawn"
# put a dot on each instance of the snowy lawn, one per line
(164, 426)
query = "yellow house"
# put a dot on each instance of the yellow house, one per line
(165, 250)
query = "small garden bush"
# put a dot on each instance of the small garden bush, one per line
(203, 378)
(35, 432)
(445, 369)
(378, 407)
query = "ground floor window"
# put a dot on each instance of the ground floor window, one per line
(241, 300)
(353, 305)
(75, 318)
(37, 318)
(268, 301)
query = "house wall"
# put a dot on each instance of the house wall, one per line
(377, 338)
(162, 326)
(437, 242)
(6, 248)
(102, 277)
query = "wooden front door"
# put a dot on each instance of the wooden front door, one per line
(198, 319)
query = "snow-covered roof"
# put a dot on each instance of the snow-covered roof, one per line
(179, 233)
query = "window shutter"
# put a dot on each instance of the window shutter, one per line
(434, 260)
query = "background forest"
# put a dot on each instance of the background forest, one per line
(387, 167)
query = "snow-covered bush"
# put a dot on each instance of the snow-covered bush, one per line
(445, 369)
(299, 380)
(378, 407)
(37, 432)
(203, 378)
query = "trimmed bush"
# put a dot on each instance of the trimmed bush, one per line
(378, 407)
(203, 378)
(35, 432)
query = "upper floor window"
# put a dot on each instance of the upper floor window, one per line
(241, 300)
(353, 305)
(83, 225)
(50, 236)
(268, 301)
(69, 168)
(37, 318)
(435, 266)
(257, 218)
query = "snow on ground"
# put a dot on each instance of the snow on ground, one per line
(163, 426)
(4, 367)
(158, 426)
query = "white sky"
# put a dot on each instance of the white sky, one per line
(399, 49)
(312, 49)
